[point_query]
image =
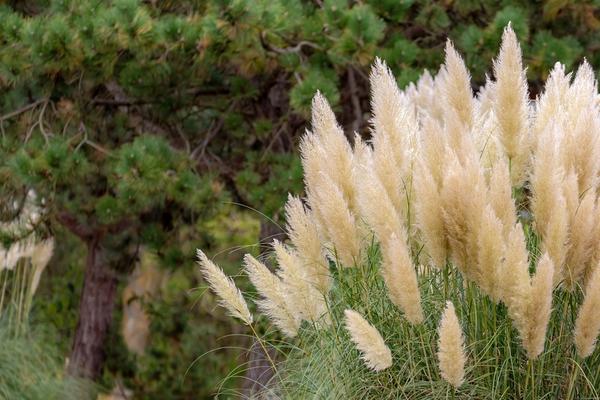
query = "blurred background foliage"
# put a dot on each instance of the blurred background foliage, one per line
(197, 106)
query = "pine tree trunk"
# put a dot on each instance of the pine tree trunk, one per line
(95, 314)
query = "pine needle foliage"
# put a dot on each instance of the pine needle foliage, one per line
(494, 272)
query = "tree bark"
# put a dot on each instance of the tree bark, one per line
(260, 372)
(95, 313)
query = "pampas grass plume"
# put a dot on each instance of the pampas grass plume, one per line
(510, 97)
(275, 303)
(539, 307)
(401, 278)
(587, 325)
(451, 352)
(304, 235)
(230, 296)
(456, 87)
(375, 353)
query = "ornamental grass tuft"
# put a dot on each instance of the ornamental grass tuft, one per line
(455, 254)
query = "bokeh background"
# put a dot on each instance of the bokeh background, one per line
(148, 129)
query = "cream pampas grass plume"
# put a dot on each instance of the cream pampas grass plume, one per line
(275, 303)
(401, 278)
(332, 154)
(490, 249)
(515, 280)
(304, 235)
(393, 129)
(429, 215)
(456, 87)
(510, 102)
(306, 300)
(375, 353)
(451, 351)
(39, 260)
(376, 206)
(230, 296)
(501, 196)
(539, 307)
(338, 222)
(587, 325)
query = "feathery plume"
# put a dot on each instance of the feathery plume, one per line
(393, 130)
(456, 87)
(549, 106)
(375, 205)
(484, 96)
(39, 260)
(510, 101)
(375, 353)
(307, 301)
(451, 351)
(539, 307)
(338, 221)
(581, 236)
(501, 196)
(332, 150)
(401, 278)
(587, 325)
(433, 150)
(490, 249)
(429, 214)
(464, 196)
(424, 95)
(230, 296)
(515, 280)
(546, 180)
(275, 303)
(304, 235)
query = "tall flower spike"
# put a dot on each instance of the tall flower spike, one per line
(376, 206)
(515, 280)
(393, 128)
(337, 220)
(429, 215)
(39, 260)
(510, 102)
(230, 296)
(587, 325)
(501, 195)
(304, 235)
(375, 353)
(456, 87)
(333, 149)
(539, 307)
(275, 303)
(401, 278)
(307, 300)
(451, 351)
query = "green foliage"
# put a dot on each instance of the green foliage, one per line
(156, 114)
(31, 369)
(190, 349)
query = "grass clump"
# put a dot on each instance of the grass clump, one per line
(463, 240)
(30, 369)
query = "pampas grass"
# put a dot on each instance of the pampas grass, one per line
(230, 296)
(463, 233)
(587, 325)
(451, 352)
(368, 340)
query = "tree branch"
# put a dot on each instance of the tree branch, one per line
(69, 221)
